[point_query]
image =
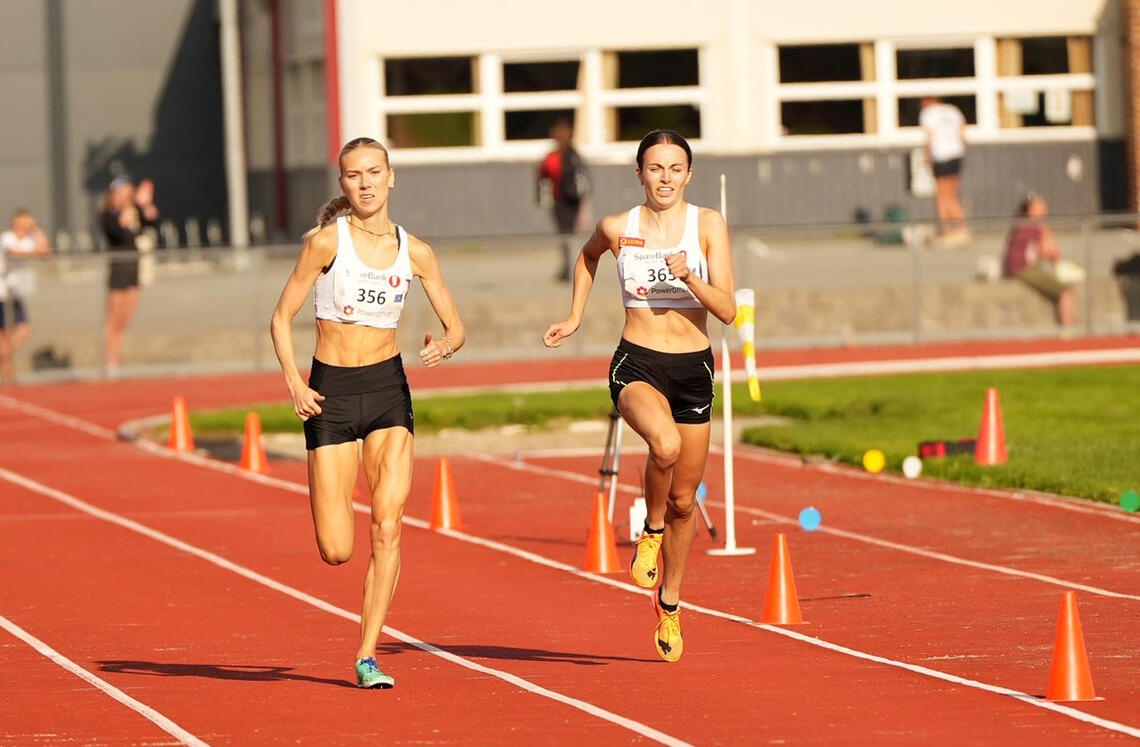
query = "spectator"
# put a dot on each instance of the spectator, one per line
(945, 128)
(23, 239)
(564, 177)
(1033, 257)
(127, 210)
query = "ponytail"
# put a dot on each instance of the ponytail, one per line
(332, 209)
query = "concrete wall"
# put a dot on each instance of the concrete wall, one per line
(115, 86)
(458, 200)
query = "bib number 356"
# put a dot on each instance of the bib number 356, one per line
(370, 295)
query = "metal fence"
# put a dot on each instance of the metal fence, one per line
(208, 308)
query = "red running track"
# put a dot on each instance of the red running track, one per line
(965, 583)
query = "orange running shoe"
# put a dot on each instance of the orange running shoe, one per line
(667, 637)
(643, 567)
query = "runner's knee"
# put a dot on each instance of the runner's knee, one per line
(665, 450)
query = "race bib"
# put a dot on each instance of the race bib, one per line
(648, 277)
(366, 295)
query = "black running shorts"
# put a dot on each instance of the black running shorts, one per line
(358, 400)
(685, 379)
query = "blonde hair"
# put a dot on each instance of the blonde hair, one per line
(340, 205)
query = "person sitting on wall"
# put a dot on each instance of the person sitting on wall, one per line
(1033, 257)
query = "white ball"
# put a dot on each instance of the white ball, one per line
(912, 466)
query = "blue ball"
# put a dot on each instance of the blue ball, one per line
(810, 518)
(702, 492)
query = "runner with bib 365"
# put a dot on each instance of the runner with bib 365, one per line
(674, 266)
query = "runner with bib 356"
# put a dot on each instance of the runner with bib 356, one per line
(674, 266)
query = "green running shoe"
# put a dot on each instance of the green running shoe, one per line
(369, 675)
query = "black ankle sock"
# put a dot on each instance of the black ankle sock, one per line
(653, 531)
(666, 607)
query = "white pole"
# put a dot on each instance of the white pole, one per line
(730, 547)
(616, 466)
(234, 125)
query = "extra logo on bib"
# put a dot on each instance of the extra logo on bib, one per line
(366, 295)
(648, 277)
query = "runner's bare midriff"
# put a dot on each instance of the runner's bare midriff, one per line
(667, 330)
(340, 344)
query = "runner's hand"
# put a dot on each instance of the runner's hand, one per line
(558, 332)
(435, 351)
(678, 265)
(305, 403)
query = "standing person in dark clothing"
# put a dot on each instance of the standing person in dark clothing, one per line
(563, 175)
(127, 210)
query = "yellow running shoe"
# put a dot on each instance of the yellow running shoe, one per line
(667, 636)
(643, 567)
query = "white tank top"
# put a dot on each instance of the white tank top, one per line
(646, 282)
(354, 293)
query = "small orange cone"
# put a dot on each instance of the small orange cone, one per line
(601, 549)
(181, 439)
(1070, 678)
(782, 607)
(253, 450)
(991, 436)
(444, 507)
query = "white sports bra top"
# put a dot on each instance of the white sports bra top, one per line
(646, 282)
(354, 293)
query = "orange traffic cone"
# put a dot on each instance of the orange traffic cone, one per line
(181, 439)
(601, 549)
(252, 449)
(444, 507)
(782, 607)
(1070, 678)
(991, 436)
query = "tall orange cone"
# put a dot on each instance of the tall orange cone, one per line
(1070, 678)
(782, 607)
(252, 449)
(601, 549)
(444, 506)
(991, 436)
(181, 439)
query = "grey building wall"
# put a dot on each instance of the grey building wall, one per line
(115, 86)
(801, 188)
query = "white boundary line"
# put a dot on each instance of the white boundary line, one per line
(574, 477)
(540, 560)
(156, 718)
(589, 708)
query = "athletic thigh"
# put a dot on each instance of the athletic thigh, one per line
(388, 454)
(648, 413)
(332, 477)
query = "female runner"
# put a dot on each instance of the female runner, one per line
(362, 265)
(674, 267)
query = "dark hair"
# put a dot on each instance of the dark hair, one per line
(1026, 202)
(657, 137)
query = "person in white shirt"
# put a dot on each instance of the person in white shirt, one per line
(23, 239)
(945, 130)
(360, 265)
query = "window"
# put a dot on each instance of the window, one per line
(1065, 102)
(536, 124)
(817, 63)
(935, 63)
(634, 121)
(822, 117)
(540, 76)
(427, 76)
(658, 68)
(432, 130)
(910, 107)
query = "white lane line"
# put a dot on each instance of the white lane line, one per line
(910, 549)
(636, 727)
(1077, 505)
(556, 565)
(151, 715)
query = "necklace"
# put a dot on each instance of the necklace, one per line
(388, 232)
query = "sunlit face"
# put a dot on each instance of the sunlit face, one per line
(22, 224)
(365, 178)
(1037, 208)
(664, 172)
(122, 196)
